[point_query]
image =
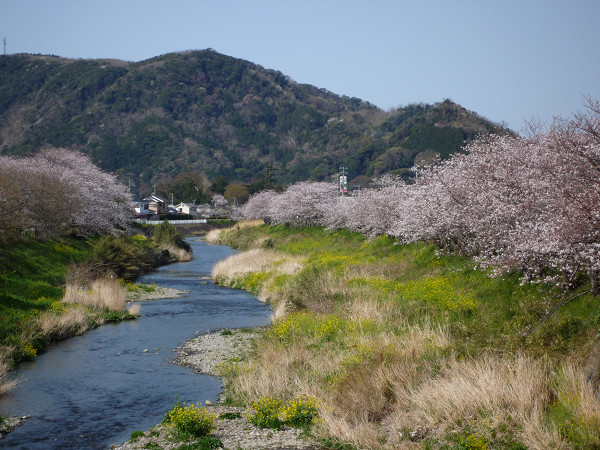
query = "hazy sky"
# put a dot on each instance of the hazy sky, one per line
(507, 60)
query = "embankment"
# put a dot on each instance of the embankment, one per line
(403, 345)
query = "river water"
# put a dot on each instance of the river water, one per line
(92, 391)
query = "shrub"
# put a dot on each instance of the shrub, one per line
(268, 412)
(189, 421)
(300, 411)
(135, 436)
(166, 234)
(126, 257)
(204, 443)
(264, 413)
(230, 416)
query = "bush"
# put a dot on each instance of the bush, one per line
(125, 257)
(135, 436)
(204, 443)
(264, 413)
(269, 412)
(189, 421)
(300, 411)
(166, 234)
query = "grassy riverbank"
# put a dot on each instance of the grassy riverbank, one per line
(54, 289)
(402, 345)
(32, 288)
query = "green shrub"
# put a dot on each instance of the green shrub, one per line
(230, 416)
(300, 411)
(204, 443)
(269, 412)
(189, 421)
(264, 413)
(152, 446)
(135, 436)
(126, 257)
(166, 234)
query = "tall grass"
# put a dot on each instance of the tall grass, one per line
(260, 270)
(6, 384)
(180, 254)
(487, 393)
(104, 293)
(405, 346)
(213, 236)
(74, 320)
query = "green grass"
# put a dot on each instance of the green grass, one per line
(483, 312)
(32, 278)
(366, 318)
(32, 281)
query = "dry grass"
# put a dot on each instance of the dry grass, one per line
(6, 385)
(102, 293)
(256, 260)
(268, 262)
(577, 394)
(365, 376)
(134, 310)
(179, 254)
(485, 393)
(247, 223)
(74, 321)
(213, 236)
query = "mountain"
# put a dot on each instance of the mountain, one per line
(204, 112)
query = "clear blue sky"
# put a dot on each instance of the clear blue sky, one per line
(508, 60)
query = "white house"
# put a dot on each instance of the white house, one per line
(187, 208)
(142, 208)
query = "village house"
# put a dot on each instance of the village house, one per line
(157, 204)
(187, 208)
(141, 209)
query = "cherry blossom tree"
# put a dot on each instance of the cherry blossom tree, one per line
(303, 204)
(33, 199)
(258, 206)
(55, 189)
(530, 203)
(104, 200)
(375, 210)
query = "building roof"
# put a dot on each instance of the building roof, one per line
(155, 198)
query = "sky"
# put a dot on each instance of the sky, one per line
(510, 61)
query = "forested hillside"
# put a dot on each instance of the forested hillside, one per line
(200, 111)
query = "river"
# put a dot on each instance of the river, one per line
(92, 391)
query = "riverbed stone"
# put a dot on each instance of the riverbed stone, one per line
(10, 423)
(204, 354)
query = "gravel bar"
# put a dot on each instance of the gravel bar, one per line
(204, 354)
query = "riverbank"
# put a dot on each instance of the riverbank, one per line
(404, 345)
(209, 354)
(140, 293)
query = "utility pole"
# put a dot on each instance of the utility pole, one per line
(4, 40)
(343, 180)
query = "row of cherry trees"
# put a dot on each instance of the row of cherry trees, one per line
(57, 189)
(526, 203)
